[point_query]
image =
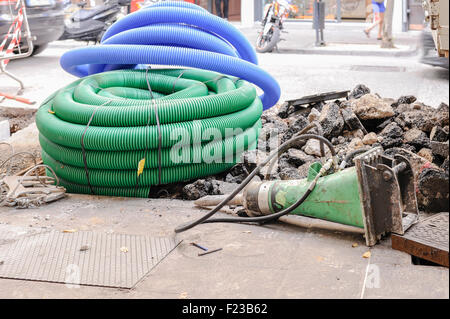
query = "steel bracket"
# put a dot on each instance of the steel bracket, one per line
(387, 194)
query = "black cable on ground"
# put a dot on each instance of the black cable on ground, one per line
(262, 219)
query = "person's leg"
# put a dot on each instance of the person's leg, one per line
(380, 25)
(374, 24)
(219, 8)
(225, 9)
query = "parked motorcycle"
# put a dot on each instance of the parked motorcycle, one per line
(274, 15)
(90, 24)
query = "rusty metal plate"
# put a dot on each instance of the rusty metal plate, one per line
(318, 98)
(83, 258)
(428, 239)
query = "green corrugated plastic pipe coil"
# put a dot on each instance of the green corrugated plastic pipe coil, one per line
(206, 121)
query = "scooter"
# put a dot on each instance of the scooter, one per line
(90, 24)
(274, 15)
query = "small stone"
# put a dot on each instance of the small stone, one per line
(358, 91)
(312, 147)
(358, 133)
(283, 111)
(367, 254)
(334, 141)
(370, 107)
(341, 139)
(85, 248)
(426, 153)
(47, 217)
(370, 138)
(356, 143)
(313, 115)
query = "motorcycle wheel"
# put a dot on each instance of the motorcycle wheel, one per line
(263, 46)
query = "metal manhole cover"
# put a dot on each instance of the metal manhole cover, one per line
(84, 258)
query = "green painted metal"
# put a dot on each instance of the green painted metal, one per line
(336, 197)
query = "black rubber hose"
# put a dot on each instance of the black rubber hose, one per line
(351, 155)
(285, 146)
(267, 218)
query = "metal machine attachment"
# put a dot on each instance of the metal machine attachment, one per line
(387, 193)
(375, 197)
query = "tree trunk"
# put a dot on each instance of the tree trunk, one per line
(387, 41)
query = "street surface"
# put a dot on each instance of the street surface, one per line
(273, 261)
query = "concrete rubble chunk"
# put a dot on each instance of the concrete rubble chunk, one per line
(392, 135)
(440, 148)
(200, 188)
(416, 138)
(312, 147)
(370, 107)
(358, 91)
(438, 134)
(424, 119)
(406, 99)
(331, 120)
(283, 110)
(299, 124)
(426, 153)
(433, 184)
(297, 157)
(351, 120)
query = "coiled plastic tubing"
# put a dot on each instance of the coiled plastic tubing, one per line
(174, 33)
(108, 134)
(125, 127)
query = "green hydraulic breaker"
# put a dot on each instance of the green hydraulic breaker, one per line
(377, 195)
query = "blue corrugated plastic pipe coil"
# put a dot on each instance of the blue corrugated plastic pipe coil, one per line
(176, 34)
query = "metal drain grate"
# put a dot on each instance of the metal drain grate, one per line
(84, 258)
